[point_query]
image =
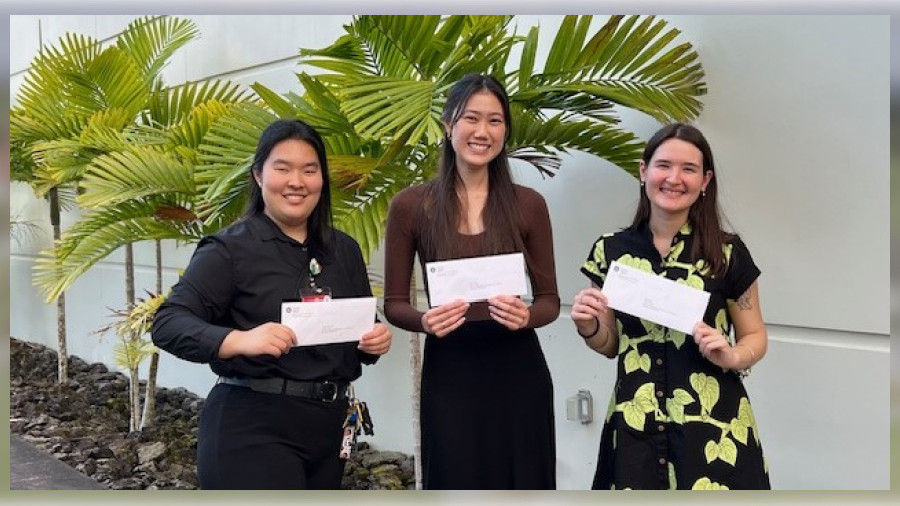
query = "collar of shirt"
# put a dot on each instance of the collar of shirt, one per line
(268, 230)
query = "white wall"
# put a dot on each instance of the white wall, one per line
(797, 114)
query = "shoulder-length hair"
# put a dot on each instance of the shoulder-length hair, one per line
(320, 234)
(705, 216)
(439, 223)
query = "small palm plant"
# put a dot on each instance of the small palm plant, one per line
(132, 350)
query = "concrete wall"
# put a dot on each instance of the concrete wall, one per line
(797, 114)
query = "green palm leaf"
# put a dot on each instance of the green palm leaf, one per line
(539, 141)
(362, 215)
(170, 106)
(100, 233)
(224, 162)
(135, 173)
(150, 42)
(629, 61)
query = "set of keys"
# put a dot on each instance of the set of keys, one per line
(358, 419)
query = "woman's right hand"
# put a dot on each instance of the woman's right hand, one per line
(444, 319)
(267, 339)
(588, 304)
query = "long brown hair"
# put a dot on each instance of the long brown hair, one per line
(705, 216)
(438, 224)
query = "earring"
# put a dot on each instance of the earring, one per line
(642, 184)
(702, 193)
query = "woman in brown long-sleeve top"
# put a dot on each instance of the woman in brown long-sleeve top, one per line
(487, 396)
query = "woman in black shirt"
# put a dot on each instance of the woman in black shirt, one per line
(274, 419)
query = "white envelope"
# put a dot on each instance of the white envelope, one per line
(654, 298)
(333, 321)
(476, 278)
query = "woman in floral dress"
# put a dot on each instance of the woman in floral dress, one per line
(679, 416)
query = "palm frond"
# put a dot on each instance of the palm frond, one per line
(151, 41)
(97, 235)
(346, 57)
(130, 352)
(362, 215)
(172, 105)
(557, 134)
(22, 231)
(385, 107)
(134, 173)
(630, 61)
(111, 80)
(224, 159)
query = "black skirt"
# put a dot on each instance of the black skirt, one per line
(487, 411)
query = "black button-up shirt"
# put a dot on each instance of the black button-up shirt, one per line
(237, 279)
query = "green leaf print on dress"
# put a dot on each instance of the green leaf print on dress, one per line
(693, 281)
(707, 388)
(706, 484)
(725, 449)
(745, 417)
(676, 337)
(675, 251)
(635, 410)
(635, 360)
(675, 404)
(638, 263)
(656, 333)
(722, 324)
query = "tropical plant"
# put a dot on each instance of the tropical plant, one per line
(131, 351)
(381, 90)
(378, 104)
(22, 231)
(132, 156)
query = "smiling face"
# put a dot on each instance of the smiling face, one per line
(477, 136)
(674, 177)
(291, 183)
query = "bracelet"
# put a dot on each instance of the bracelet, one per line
(592, 334)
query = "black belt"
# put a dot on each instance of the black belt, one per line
(327, 391)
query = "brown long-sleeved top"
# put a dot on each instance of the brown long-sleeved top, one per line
(402, 243)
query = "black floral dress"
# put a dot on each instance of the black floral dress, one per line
(676, 420)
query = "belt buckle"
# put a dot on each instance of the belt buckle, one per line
(334, 391)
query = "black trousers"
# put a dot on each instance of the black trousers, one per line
(257, 441)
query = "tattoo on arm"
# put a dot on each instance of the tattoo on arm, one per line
(743, 301)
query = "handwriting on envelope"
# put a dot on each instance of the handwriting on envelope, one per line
(654, 298)
(476, 278)
(334, 321)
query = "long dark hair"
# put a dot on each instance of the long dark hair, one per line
(705, 216)
(440, 220)
(320, 234)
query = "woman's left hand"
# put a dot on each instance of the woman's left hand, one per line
(509, 311)
(714, 347)
(377, 341)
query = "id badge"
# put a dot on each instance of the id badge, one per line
(315, 294)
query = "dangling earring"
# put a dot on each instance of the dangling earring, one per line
(702, 193)
(642, 184)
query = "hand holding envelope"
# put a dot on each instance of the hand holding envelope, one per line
(334, 321)
(654, 298)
